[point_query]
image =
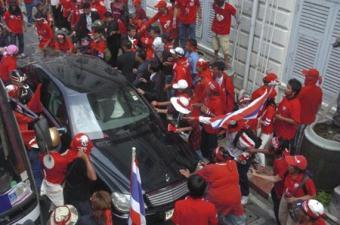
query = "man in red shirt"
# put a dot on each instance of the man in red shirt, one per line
(288, 114)
(181, 70)
(223, 177)
(297, 186)
(44, 32)
(63, 43)
(165, 17)
(187, 11)
(221, 27)
(8, 63)
(194, 209)
(225, 84)
(14, 20)
(310, 98)
(139, 11)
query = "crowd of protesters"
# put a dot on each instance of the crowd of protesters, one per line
(159, 56)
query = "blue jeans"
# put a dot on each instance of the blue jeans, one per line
(232, 220)
(13, 40)
(186, 31)
(29, 7)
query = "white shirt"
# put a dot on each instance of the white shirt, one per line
(89, 22)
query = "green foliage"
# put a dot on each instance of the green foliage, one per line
(324, 197)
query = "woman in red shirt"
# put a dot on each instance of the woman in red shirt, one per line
(13, 18)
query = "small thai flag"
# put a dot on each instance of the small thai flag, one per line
(137, 210)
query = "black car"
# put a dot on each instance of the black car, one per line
(83, 94)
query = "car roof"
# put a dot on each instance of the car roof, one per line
(82, 73)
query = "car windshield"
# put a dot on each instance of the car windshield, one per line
(98, 112)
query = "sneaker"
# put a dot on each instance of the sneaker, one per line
(244, 200)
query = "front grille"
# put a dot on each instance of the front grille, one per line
(168, 194)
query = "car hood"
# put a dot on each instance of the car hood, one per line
(159, 156)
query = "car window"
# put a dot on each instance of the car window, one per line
(52, 100)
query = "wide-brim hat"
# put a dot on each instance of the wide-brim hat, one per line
(181, 104)
(66, 215)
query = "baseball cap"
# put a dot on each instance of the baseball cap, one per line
(161, 4)
(270, 77)
(177, 51)
(313, 208)
(311, 72)
(298, 161)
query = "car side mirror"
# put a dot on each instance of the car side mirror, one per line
(44, 140)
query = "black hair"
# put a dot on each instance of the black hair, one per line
(141, 54)
(193, 42)
(126, 44)
(155, 29)
(155, 66)
(86, 5)
(197, 186)
(131, 27)
(220, 65)
(296, 86)
(14, 10)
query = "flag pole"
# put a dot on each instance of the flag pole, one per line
(133, 153)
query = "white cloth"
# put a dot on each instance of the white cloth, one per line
(89, 22)
(53, 191)
(54, 2)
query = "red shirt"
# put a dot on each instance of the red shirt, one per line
(320, 221)
(66, 7)
(66, 46)
(291, 183)
(280, 167)
(268, 119)
(14, 23)
(181, 71)
(223, 187)
(310, 99)
(165, 20)
(56, 175)
(187, 10)
(45, 34)
(195, 212)
(140, 14)
(289, 108)
(100, 8)
(222, 20)
(98, 47)
(8, 63)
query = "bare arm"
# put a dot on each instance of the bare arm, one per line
(90, 171)
(270, 178)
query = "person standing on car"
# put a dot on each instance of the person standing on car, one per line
(194, 209)
(80, 174)
(126, 61)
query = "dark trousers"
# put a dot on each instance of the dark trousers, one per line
(243, 174)
(276, 205)
(13, 40)
(208, 144)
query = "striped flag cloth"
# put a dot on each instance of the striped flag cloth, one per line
(137, 210)
(249, 112)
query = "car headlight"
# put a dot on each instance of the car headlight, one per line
(121, 201)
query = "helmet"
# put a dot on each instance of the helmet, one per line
(81, 142)
(17, 76)
(202, 64)
(55, 136)
(313, 208)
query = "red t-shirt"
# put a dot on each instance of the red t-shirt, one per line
(56, 175)
(45, 34)
(310, 99)
(320, 221)
(14, 23)
(223, 187)
(280, 167)
(66, 46)
(228, 91)
(195, 212)
(293, 181)
(289, 108)
(181, 71)
(187, 10)
(8, 63)
(165, 20)
(100, 8)
(268, 119)
(222, 20)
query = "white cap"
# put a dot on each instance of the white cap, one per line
(313, 208)
(67, 215)
(177, 51)
(181, 104)
(180, 85)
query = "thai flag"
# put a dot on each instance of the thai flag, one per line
(137, 210)
(249, 112)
